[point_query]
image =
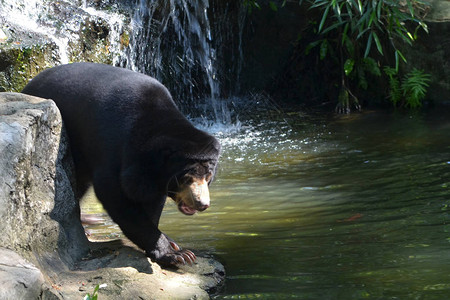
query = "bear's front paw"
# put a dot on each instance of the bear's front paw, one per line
(182, 256)
(173, 255)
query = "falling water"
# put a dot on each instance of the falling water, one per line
(176, 42)
(171, 40)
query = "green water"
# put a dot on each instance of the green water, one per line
(308, 207)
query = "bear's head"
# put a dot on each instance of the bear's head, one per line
(190, 189)
(180, 166)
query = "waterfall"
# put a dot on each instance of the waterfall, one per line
(171, 40)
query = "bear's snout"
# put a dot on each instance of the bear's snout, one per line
(193, 197)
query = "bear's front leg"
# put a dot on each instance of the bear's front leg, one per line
(141, 229)
(165, 251)
(139, 222)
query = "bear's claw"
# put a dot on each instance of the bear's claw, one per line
(185, 257)
(182, 256)
(174, 246)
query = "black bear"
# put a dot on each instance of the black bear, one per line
(129, 140)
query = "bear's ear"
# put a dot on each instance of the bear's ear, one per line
(199, 146)
(207, 148)
(178, 154)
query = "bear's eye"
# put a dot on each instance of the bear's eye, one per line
(197, 171)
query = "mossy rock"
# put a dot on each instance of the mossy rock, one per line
(21, 62)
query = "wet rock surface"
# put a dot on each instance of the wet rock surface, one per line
(42, 237)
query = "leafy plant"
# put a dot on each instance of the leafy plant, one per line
(412, 89)
(414, 86)
(395, 92)
(362, 36)
(250, 4)
(363, 32)
(94, 295)
(366, 21)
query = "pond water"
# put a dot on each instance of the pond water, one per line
(316, 207)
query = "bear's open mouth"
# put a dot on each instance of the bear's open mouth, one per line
(186, 209)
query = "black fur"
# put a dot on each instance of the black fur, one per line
(130, 141)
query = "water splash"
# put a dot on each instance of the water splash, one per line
(217, 116)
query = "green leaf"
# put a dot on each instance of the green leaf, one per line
(424, 26)
(324, 17)
(348, 66)
(335, 25)
(410, 6)
(273, 6)
(337, 9)
(377, 42)
(404, 37)
(401, 55)
(414, 86)
(350, 46)
(359, 6)
(362, 80)
(371, 66)
(379, 6)
(390, 72)
(344, 34)
(373, 17)
(312, 45)
(397, 62)
(410, 35)
(362, 32)
(368, 45)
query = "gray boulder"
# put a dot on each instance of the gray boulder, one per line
(19, 279)
(37, 202)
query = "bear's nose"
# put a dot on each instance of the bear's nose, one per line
(203, 207)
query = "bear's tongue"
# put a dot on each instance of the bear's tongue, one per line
(186, 209)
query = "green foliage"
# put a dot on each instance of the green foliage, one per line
(363, 33)
(412, 89)
(395, 92)
(364, 22)
(348, 66)
(361, 69)
(250, 4)
(273, 6)
(361, 37)
(414, 86)
(94, 295)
